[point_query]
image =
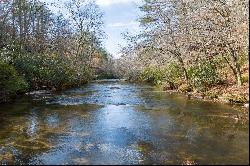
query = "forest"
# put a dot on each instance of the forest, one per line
(196, 46)
(44, 50)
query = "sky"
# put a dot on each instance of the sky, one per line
(119, 16)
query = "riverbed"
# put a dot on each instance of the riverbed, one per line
(114, 122)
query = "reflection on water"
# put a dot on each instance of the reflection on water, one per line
(112, 122)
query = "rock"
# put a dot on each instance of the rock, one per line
(246, 105)
(166, 87)
(236, 120)
(38, 92)
(115, 88)
(223, 99)
(189, 96)
(198, 97)
(207, 97)
(185, 88)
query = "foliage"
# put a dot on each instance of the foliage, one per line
(234, 98)
(211, 94)
(133, 76)
(10, 82)
(51, 50)
(244, 58)
(184, 31)
(51, 71)
(245, 78)
(173, 74)
(152, 75)
(204, 74)
(106, 75)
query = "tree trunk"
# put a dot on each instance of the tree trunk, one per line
(185, 74)
(238, 74)
(235, 67)
(183, 68)
(13, 22)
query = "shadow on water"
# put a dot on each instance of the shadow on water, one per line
(113, 122)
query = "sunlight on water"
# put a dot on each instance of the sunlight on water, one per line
(112, 122)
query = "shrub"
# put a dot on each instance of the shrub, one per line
(51, 71)
(204, 74)
(133, 76)
(152, 75)
(234, 98)
(173, 74)
(10, 82)
(106, 75)
(169, 75)
(245, 78)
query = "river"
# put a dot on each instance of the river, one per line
(114, 122)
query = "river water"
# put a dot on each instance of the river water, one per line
(113, 122)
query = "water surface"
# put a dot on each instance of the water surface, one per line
(113, 122)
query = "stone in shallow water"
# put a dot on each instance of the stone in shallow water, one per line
(115, 88)
(246, 105)
(38, 92)
(81, 160)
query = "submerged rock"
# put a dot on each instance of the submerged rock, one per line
(115, 88)
(38, 92)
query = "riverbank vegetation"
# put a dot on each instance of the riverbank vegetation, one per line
(197, 47)
(41, 49)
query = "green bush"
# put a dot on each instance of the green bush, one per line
(244, 59)
(234, 98)
(10, 82)
(51, 71)
(211, 94)
(133, 76)
(152, 75)
(204, 74)
(170, 74)
(245, 78)
(106, 75)
(173, 74)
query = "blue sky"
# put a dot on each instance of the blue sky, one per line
(119, 16)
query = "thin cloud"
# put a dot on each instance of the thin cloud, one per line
(112, 2)
(121, 24)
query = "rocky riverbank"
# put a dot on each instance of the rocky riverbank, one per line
(231, 94)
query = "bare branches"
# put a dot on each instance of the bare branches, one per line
(189, 29)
